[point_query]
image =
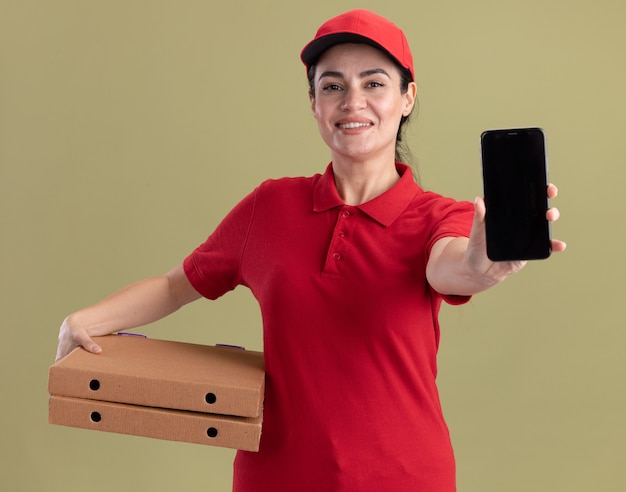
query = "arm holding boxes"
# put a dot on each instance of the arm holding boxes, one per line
(154, 388)
(138, 304)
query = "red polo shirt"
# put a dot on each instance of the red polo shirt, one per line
(350, 333)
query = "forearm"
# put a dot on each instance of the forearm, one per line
(454, 270)
(138, 304)
(447, 271)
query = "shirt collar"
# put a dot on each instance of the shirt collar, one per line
(384, 209)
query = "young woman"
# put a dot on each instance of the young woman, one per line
(349, 268)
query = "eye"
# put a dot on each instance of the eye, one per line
(374, 84)
(331, 87)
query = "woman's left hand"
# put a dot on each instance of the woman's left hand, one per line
(460, 266)
(476, 252)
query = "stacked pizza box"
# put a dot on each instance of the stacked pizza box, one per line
(162, 389)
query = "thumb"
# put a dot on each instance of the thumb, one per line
(478, 222)
(477, 246)
(479, 209)
(92, 347)
(81, 339)
(84, 340)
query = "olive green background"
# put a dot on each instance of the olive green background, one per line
(129, 128)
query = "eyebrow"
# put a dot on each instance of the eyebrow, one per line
(365, 73)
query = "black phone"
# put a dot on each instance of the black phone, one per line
(515, 183)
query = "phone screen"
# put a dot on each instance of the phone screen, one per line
(515, 188)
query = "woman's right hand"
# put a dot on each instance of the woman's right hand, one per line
(137, 304)
(71, 337)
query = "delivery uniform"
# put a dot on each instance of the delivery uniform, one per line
(350, 333)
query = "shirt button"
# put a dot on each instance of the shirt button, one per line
(341, 234)
(336, 256)
(345, 214)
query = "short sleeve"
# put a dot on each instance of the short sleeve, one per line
(453, 219)
(214, 267)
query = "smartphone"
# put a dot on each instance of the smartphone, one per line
(515, 183)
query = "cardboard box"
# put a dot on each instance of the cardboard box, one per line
(165, 374)
(174, 425)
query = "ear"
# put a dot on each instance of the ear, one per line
(312, 101)
(409, 98)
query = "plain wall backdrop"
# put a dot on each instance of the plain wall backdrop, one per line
(128, 128)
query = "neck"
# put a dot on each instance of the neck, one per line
(360, 182)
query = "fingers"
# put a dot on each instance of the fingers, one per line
(70, 338)
(553, 214)
(553, 191)
(88, 344)
(558, 246)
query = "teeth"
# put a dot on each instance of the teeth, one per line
(349, 126)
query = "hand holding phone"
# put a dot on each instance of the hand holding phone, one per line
(515, 185)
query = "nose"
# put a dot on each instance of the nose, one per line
(353, 100)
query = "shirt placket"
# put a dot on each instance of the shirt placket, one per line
(341, 240)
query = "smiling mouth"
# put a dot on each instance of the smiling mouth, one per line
(351, 126)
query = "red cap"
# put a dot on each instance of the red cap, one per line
(360, 26)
